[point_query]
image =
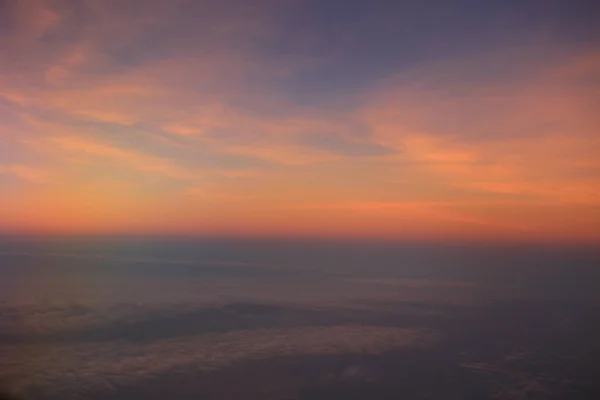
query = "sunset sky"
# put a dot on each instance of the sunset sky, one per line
(408, 120)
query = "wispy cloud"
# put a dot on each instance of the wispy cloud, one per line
(207, 99)
(77, 146)
(531, 137)
(28, 173)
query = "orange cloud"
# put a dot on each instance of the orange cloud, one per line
(531, 141)
(28, 173)
(80, 146)
(513, 155)
(536, 139)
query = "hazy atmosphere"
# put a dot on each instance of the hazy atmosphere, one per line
(299, 199)
(389, 119)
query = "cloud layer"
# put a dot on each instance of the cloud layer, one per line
(71, 367)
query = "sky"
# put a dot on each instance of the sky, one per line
(401, 120)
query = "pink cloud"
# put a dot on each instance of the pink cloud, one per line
(535, 138)
(89, 147)
(28, 173)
